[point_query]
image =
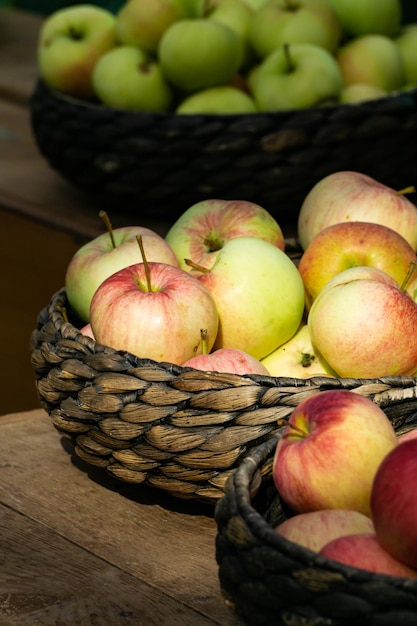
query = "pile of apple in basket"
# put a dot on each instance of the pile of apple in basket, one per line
(220, 293)
(229, 56)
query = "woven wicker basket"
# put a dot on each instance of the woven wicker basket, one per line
(271, 581)
(159, 164)
(169, 427)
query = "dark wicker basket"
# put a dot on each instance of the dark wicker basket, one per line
(271, 581)
(162, 425)
(159, 164)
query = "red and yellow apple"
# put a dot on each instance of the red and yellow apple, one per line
(227, 360)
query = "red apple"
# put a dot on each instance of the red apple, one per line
(157, 316)
(365, 552)
(316, 528)
(229, 360)
(204, 229)
(106, 254)
(394, 503)
(87, 331)
(365, 328)
(410, 434)
(330, 451)
(348, 244)
(348, 196)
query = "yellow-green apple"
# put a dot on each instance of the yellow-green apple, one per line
(297, 357)
(361, 92)
(348, 244)
(106, 254)
(199, 53)
(372, 59)
(349, 196)
(295, 77)
(154, 311)
(315, 529)
(362, 17)
(221, 99)
(280, 22)
(205, 227)
(394, 503)
(365, 329)
(237, 15)
(407, 44)
(229, 360)
(330, 451)
(70, 42)
(364, 551)
(142, 24)
(126, 77)
(259, 295)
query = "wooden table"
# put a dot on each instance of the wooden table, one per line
(78, 549)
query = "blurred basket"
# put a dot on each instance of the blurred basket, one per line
(271, 581)
(159, 164)
(172, 428)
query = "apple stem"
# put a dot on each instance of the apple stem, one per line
(106, 220)
(287, 55)
(307, 359)
(410, 272)
(145, 262)
(196, 266)
(203, 335)
(406, 190)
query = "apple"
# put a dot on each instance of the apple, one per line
(70, 42)
(349, 196)
(87, 331)
(406, 436)
(330, 451)
(372, 59)
(279, 22)
(129, 78)
(365, 329)
(315, 529)
(394, 503)
(228, 360)
(154, 311)
(198, 53)
(361, 92)
(295, 77)
(297, 357)
(238, 16)
(406, 41)
(348, 244)
(364, 551)
(142, 24)
(205, 227)
(221, 99)
(106, 254)
(362, 17)
(258, 292)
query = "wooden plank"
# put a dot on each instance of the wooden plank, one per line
(48, 580)
(162, 541)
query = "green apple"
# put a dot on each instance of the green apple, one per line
(363, 17)
(361, 92)
(238, 16)
(71, 40)
(372, 59)
(199, 53)
(259, 295)
(142, 24)
(280, 22)
(297, 357)
(223, 99)
(295, 77)
(129, 78)
(407, 44)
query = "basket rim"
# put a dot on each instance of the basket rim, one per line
(240, 482)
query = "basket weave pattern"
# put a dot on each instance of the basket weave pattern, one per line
(159, 164)
(271, 581)
(172, 428)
